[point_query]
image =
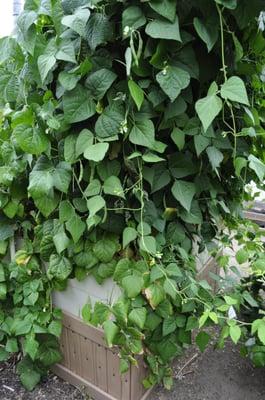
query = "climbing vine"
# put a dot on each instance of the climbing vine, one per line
(128, 133)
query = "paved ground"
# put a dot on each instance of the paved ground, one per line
(214, 375)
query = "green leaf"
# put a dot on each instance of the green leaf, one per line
(77, 22)
(133, 18)
(184, 192)
(47, 205)
(178, 137)
(235, 333)
(66, 211)
(143, 134)
(61, 241)
(215, 157)
(208, 108)
(59, 267)
(138, 316)
(86, 312)
(31, 139)
(129, 234)
(162, 29)
(31, 347)
(202, 339)
(30, 378)
(11, 345)
(257, 166)
(77, 105)
(234, 89)
(110, 331)
(68, 80)
(136, 93)
(99, 82)
(47, 60)
(3, 291)
(66, 51)
(96, 152)
(166, 8)
(240, 163)
(207, 31)
(110, 121)
(242, 256)
(84, 140)
(261, 332)
(201, 143)
(21, 328)
(169, 325)
(104, 250)
(69, 148)
(55, 328)
(148, 244)
(172, 80)
(76, 227)
(113, 186)
(95, 204)
(98, 30)
(132, 285)
(155, 295)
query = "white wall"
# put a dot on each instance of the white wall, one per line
(6, 17)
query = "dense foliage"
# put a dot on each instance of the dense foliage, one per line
(127, 135)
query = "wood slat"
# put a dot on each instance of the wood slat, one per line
(113, 375)
(64, 345)
(100, 356)
(74, 352)
(88, 367)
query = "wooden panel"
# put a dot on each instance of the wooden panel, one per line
(126, 385)
(101, 366)
(113, 375)
(87, 359)
(136, 385)
(64, 344)
(74, 352)
(89, 363)
(88, 331)
(77, 380)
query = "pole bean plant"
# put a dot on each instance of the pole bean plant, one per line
(129, 130)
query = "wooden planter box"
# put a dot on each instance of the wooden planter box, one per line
(90, 364)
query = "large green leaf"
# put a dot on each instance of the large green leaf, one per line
(113, 186)
(76, 227)
(143, 134)
(77, 22)
(172, 80)
(207, 31)
(110, 330)
(110, 121)
(234, 89)
(47, 60)
(184, 192)
(77, 105)
(163, 29)
(132, 285)
(138, 317)
(99, 82)
(208, 108)
(31, 139)
(166, 8)
(104, 250)
(136, 93)
(59, 267)
(96, 152)
(257, 166)
(133, 18)
(98, 30)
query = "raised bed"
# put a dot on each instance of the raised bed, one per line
(89, 363)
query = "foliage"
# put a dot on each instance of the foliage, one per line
(127, 134)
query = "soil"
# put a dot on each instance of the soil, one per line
(213, 375)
